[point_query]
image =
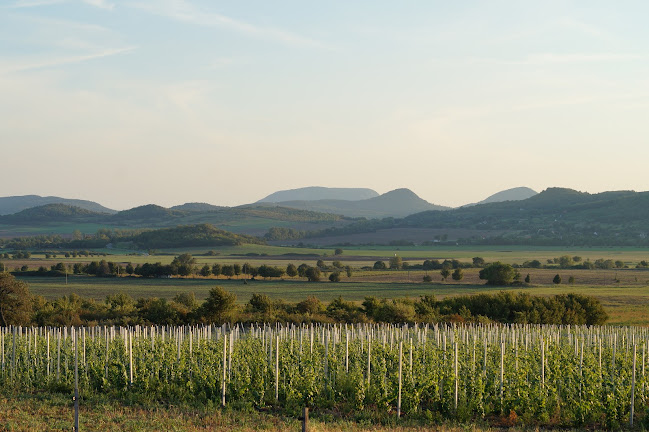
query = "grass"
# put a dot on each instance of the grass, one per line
(626, 302)
(47, 412)
(624, 293)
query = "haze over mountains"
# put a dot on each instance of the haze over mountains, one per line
(556, 216)
(396, 203)
(348, 202)
(513, 194)
(314, 193)
(14, 204)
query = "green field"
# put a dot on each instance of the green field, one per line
(258, 254)
(625, 304)
(623, 292)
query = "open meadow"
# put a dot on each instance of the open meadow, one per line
(624, 292)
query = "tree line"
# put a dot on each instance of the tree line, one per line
(19, 307)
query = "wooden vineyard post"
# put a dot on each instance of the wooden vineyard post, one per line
(347, 352)
(455, 372)
(633, 387)
(369, 361)
(76, 383)
(542, 363)
(277, 369)
(13, 352)
(400, 369)
(225, 346)
(305, 419)
(130, 355)
(58, 355)
(502, 373)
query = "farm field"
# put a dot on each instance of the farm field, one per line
(627, 302)
(623, 292)
(506, 254)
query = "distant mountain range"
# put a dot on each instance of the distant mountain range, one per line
(315, 193)
(349, 202)
(514, 194)
(556, 216)
(396, 203)
(14, 204)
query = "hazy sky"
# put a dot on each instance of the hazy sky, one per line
(172, 101)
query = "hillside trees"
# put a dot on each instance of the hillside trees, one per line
(15, 301)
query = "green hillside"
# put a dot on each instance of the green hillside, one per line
(51, 213)
(15, 204)
(189, 236)
(556, 216)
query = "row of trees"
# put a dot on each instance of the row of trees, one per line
(576, 262)
(18, 307)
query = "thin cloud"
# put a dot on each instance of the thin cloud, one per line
(553, 58)
(20, 4)
(32, 3)
(546, 58)
(13, 68)
(184, 11)
(101, 4)
(584, 28)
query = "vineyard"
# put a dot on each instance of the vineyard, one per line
(540, 375)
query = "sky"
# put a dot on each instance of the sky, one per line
(170, 101)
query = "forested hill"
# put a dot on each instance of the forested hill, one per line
(49, 213)
(189, 236)
(182, 236)
(556, 216)
(253, 220)
(513, 194)
(15, 204)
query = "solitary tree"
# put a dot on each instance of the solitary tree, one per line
(498, 273)
(334, 277)
(218, 305)
(445, 272)
(557, 279)
(15, 304)
(457, 274)
(396, 262)
(527, 278)
(478, 262)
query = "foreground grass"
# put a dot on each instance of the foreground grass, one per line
(47, 412)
